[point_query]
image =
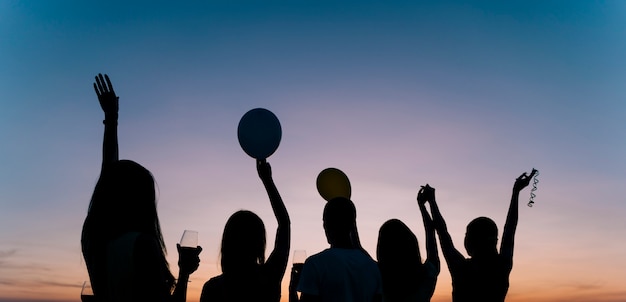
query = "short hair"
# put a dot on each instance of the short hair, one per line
(481, 236)
(482, 228)
(340, 214)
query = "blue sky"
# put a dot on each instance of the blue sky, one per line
(463, 95)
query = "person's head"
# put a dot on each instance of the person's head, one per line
(123, 201)
(339, 220)
(397, 253)
(243, 242)
(481, 237)
(397, 244)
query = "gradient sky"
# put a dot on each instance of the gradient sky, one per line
(464, 96)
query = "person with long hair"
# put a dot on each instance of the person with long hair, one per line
(484, 276)
(121, 239)
(405, 278)
(246, 275)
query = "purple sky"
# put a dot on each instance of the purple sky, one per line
(396, 94)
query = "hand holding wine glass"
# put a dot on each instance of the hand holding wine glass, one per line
(298, 259)
(188, 252)
(298, 263)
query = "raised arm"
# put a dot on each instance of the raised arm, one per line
(432, 255)
(280, 255)
(110, 104)
(452, 255)
(508, 236)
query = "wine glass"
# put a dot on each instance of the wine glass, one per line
(188, 249)
(298, 261)
(298, 258)
(189, 239)
(86, 293)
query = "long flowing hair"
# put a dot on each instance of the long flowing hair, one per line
(243, 243)
(399, 259)
(123, 201)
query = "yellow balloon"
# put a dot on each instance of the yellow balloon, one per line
(332, 182)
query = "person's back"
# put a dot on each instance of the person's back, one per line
(134, 268)
(404, 277)
(480, 280)
(120, 267)
(254, 285)
(344, 272)
(340, 274)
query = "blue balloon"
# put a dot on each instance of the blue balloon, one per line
(259, 133)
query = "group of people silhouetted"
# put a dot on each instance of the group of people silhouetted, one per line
(125, 253)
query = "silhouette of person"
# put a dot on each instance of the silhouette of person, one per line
(246, 276)
(485, 275)
(121, 238)
(405, 278)
(344, 272)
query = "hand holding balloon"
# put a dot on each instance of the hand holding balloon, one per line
(264, 169)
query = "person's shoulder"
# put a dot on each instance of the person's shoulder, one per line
(211, 289)
(212, 284)
(429, 265)
(215, 280)
(322, 252)
(431, 268)
(360, 254)
(319, 255)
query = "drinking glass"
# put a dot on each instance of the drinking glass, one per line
(298, 260)
(189, 239)
(298, 263)
(299, 256)
(86, 293)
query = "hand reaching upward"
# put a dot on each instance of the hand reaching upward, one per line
(426, 193)
(523, 180)
(110, 105)
(106, 96)
(264, 169)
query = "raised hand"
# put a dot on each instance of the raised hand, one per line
(421, 198)
(426, 193)
(264, 169)
(109, 103)
(523, 180)
(106, 96)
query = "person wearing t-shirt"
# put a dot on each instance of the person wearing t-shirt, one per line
(344, 272)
